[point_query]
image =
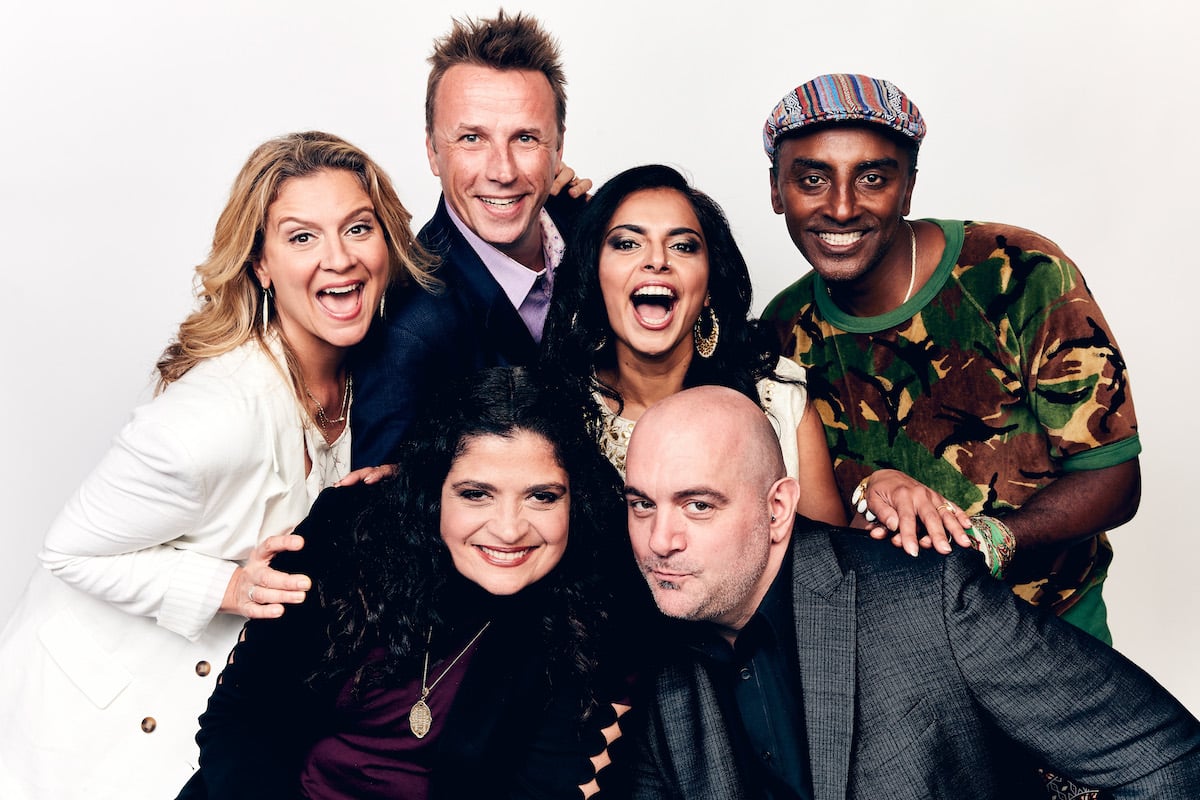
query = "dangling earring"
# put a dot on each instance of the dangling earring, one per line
(706, 345)
(382, 304)
(266, 304)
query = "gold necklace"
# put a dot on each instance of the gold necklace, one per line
(912, 265)
(912, 262)
(420, 718)
(322, 419)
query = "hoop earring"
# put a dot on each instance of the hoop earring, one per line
(266, 309)
(706, 345)
(383, 304)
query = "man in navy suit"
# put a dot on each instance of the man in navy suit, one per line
(495, 113)
(804, 661)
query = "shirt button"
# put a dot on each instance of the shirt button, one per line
(149, 724)
(766, 755)
(203, 668)
(745, 673)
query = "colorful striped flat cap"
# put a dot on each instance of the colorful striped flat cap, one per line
(843, 98)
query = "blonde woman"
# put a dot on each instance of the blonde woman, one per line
(164, 551)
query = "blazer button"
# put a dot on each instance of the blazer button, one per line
(203, 668)
(149, 724)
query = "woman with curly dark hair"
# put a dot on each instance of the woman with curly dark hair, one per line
(459, 612)
(654, 297)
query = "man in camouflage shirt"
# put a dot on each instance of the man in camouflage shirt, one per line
(967, 356)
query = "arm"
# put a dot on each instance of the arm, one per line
(819, 498)
(132, 533)
(393, 372)
(1076, 506)
(1075, 702)
(255, 732)
(784, 397)
(566, 756)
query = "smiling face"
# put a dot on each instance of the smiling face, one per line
(495, 145)
(505, 511)
(654, 274)
(842, 190)
(325, 259)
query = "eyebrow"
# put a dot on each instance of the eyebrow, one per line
(813, 163)
(638, 229)
(700, 491)
(537, 487)
(470, 127)
(551, 486)
(682, 494)
(358, 212)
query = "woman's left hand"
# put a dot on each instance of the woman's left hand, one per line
(566, 178)
(257, 591)
(369, 475)
(901, 505)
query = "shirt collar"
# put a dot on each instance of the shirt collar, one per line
(771, 623)
(515, 278)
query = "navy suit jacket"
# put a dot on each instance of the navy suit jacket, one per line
(927, 678)
(429, 338)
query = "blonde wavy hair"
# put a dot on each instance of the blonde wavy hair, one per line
(230, 309)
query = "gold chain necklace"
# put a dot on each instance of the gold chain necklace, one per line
(912, 263)
(322, 419)
(420, 718)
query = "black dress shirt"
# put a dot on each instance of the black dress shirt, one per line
(758, 687)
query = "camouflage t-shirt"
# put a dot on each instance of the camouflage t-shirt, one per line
(995, 378)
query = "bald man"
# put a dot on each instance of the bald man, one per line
(808, 662)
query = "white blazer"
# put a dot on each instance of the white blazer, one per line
(114, 649)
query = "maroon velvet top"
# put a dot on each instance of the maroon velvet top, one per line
(371, 752)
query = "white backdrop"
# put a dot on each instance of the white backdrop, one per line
(122, 125)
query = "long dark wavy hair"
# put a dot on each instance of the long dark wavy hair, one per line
(578, 339)
(403, 573)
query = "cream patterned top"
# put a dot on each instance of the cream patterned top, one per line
(784, 404)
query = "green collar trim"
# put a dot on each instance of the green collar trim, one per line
(953, 231)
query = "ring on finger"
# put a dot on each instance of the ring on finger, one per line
(250, 594)
(947, 506)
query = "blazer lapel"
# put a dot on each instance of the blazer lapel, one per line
(823, 598)
(509, 338)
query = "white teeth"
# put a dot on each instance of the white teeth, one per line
(342, 289)
(840, 238)
(655, 291)
(504, 555)
(499, 203)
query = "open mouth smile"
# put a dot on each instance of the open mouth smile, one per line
(654, 305)
(342, 302)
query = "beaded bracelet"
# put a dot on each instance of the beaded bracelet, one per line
(995, 540)
(858, 500)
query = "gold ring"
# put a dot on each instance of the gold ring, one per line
(947, 506)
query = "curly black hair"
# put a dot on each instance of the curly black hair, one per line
(578, 338)
(403, 579)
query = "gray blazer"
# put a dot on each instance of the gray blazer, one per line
(925, 678)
